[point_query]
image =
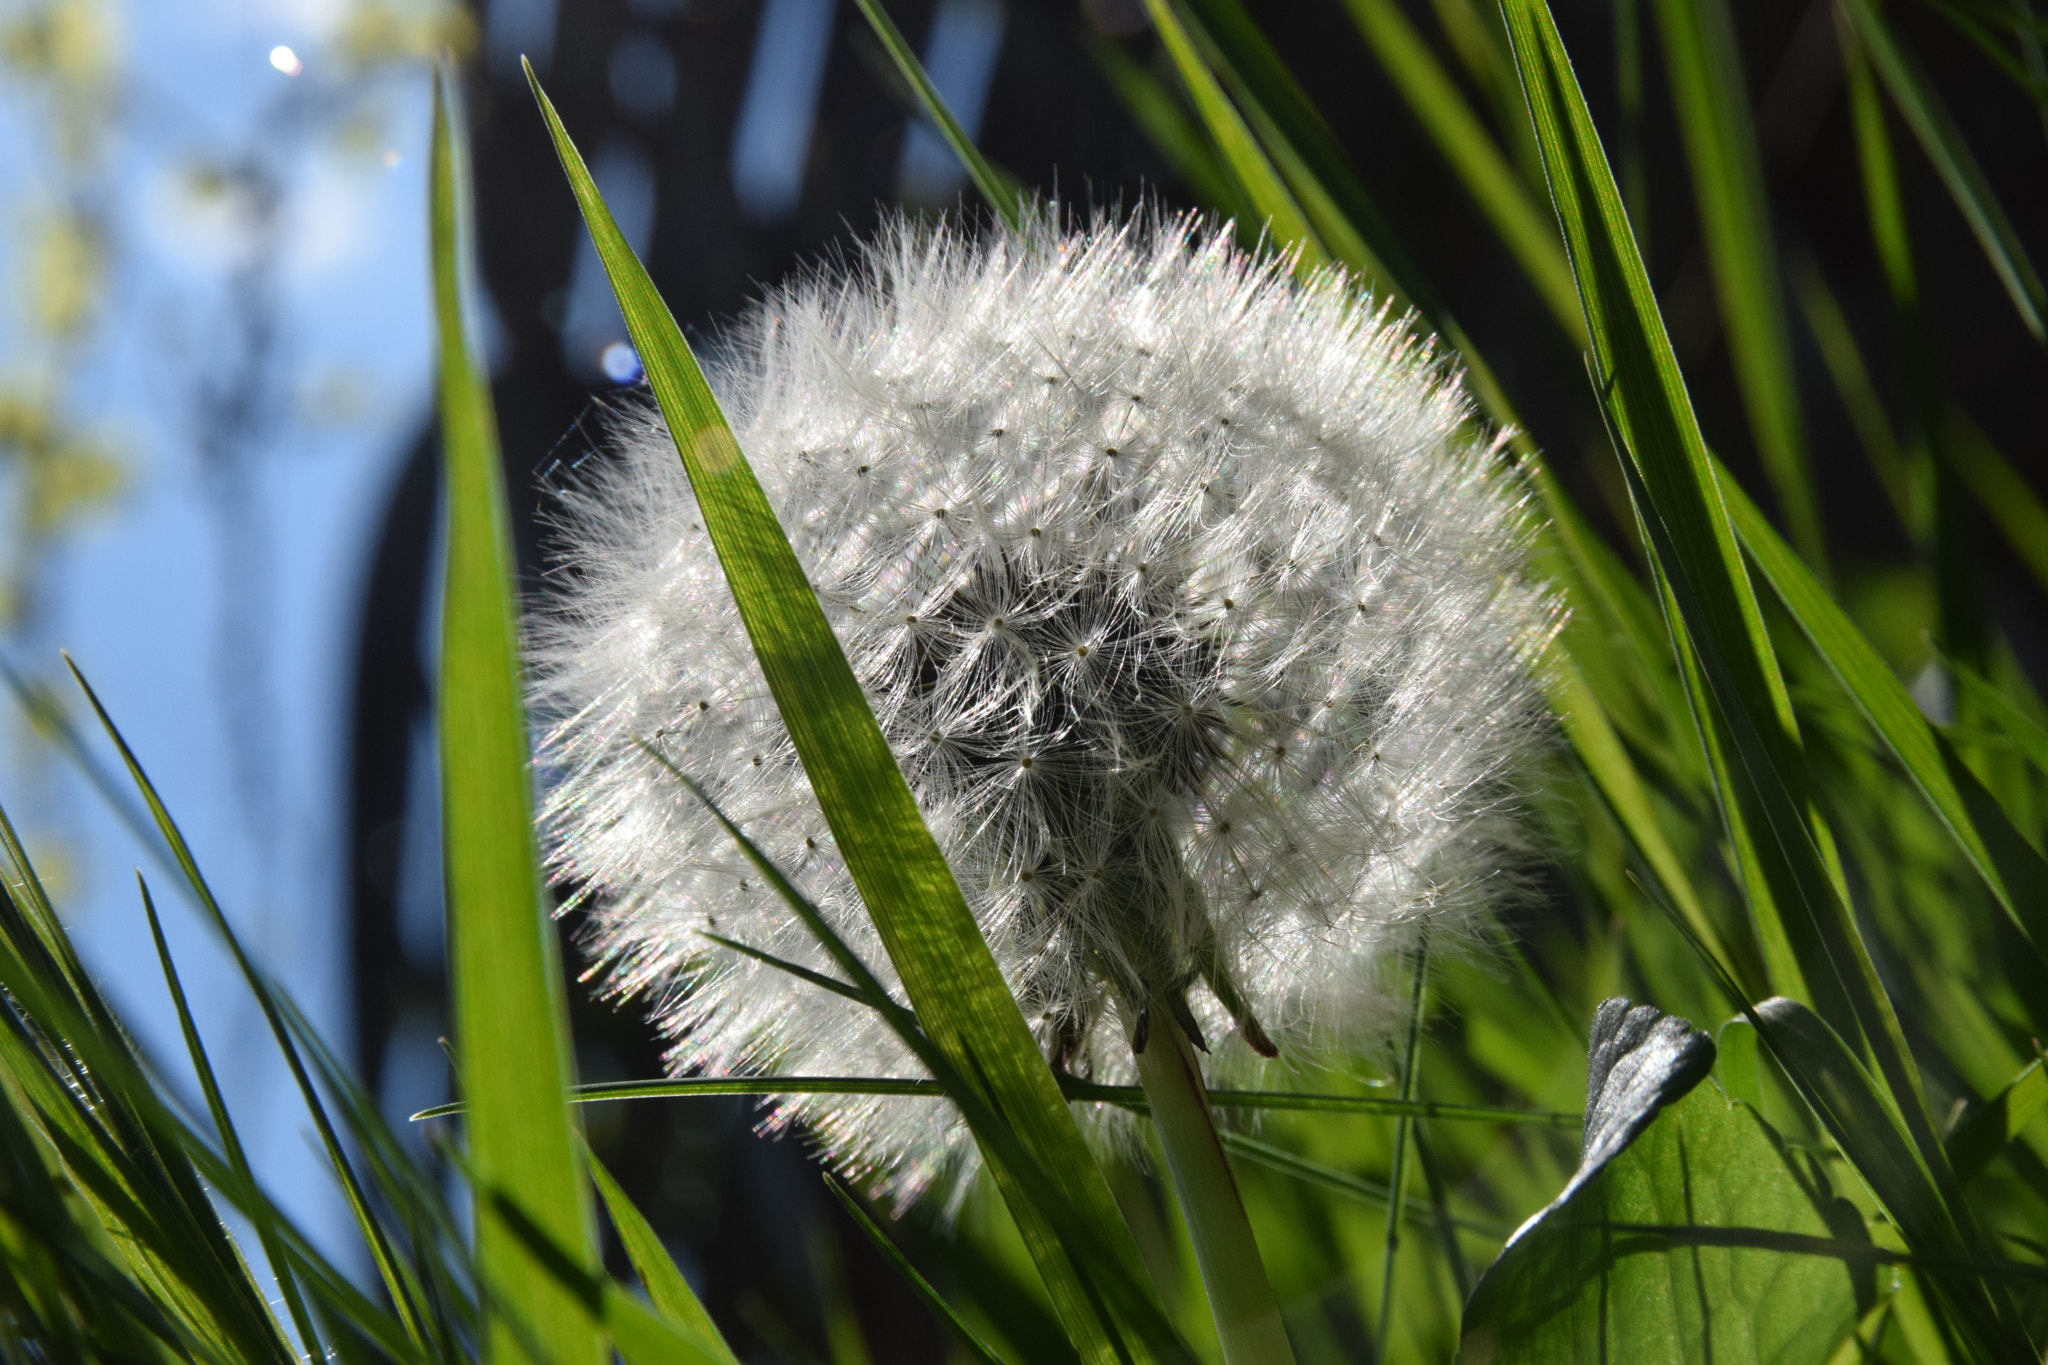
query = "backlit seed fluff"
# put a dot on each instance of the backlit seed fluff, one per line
(1195, 610)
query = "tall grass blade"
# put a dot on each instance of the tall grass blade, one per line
(2014, 872)
(1499, 191)
(1001, 195)
(1987, 1126)
(511, 1027)
(2005, 495)
(1935, 128)
(1712, 103)
(946, 968)
(970, 1341)
(666, 1288)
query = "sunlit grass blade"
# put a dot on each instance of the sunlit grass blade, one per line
(1436, 101)
(1935, 128)
(224, 1129)
(1000, 195)
(946, 968)
(510, 1012)
(258, 984)
(969, 1340)
(2001, 713)
(1988, 1125)
(2014, 872)
(1712, 102)
(1871, 1132)
(1690, 536)
(1257, 180)
(1076, 1091)
(666, 1288)
(1165, 122)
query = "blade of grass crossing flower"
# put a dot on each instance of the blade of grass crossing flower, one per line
(931, 937)
(510, 1012)
(666, 1288)
(1679, 501)
(1939, 138)
(1001, 196)
(1712, 102)
(1397, 1177)
(1499, 191)
(224, 1128)
(970, 1341)
(2014, 872)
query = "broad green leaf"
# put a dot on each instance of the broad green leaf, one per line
(2014, 872)
(1633, 1263)
(1935, 128)
(1610, 1275)
(1494, 185)
(945, 966)
(1987, 1126)
(511, 1028)
(1712, 101)
(666, 1288)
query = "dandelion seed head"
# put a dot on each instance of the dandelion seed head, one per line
(1193, 605)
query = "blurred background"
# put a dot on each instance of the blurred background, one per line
(218, 486)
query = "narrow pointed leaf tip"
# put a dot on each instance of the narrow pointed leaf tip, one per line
(510, 1007)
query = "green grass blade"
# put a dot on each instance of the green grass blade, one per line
(2002, 714)
(970, 1341)
(1001, 196)
(266, 995)
(1164, 120)
(666, 1288)
(224, 1127)
(1925, 113)
(510, 1012)
(1873, 1135)
(1987, 1126)
(1858, 393)
(2016, 875)
(1434, 98)
(2006, 496)
(1689, 533)
(1712, 102)
(946, 968)
(1258, 181)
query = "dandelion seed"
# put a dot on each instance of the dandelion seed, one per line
(1381, 636)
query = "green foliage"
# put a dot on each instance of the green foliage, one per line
(1753, 816)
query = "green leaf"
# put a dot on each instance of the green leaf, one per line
(1615, 1269)
(1712, 102)
(1988, 1125)
(511, 1027)
(945, 966)
(666, 1288)
(2005, 495)
(1943, 142)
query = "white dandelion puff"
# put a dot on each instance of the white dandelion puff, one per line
(1190, 601)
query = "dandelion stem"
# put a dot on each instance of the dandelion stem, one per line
(1240, 1298)
(1397, 1178)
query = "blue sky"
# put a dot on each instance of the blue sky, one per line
(134, 591)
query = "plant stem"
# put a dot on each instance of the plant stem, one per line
(1240, 1299)
(1397, 1178)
